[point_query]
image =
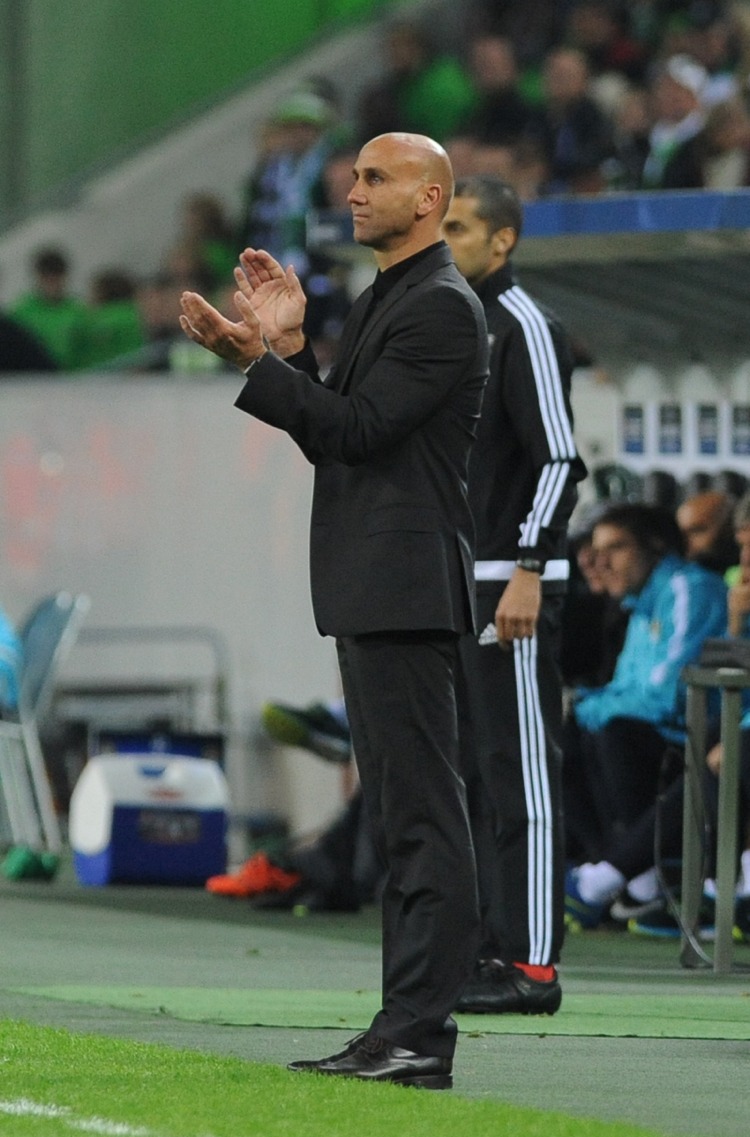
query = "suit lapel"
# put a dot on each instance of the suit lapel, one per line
(362, 327)
(351, 332)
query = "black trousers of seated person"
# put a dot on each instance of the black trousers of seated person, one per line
(611, 777)
(657, 833)
(342, 867)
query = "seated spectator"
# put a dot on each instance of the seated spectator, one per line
(337, 871)
(707, 525)
(674, 159)
(502, 113)
(205, 228)
(20, 350)
(631, 126)
(48, 310)
(600, 29)
(625, 873)
(421, 91)
(322, 728)
(115, 329)
(617, 734)
(159, 308)
(593, 622)
(283, 184)
(723, 146)
(533, 29)
(10, 666)
(573, 132)
(715, 37)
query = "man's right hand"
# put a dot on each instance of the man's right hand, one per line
(239, 342)
(276, 297)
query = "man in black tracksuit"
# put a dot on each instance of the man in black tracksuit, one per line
(522, 488)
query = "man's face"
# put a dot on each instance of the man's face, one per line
(624, 565)
(470, 240)
(388, 187)
(700, 525)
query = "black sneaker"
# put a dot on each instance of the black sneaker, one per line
(498, 989)
(313, 728)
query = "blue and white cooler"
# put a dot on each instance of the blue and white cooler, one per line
(151, 819)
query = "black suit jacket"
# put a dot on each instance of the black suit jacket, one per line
(389, 433)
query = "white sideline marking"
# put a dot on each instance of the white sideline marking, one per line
(25, 1108)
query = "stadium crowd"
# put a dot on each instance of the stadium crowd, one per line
(579, 96)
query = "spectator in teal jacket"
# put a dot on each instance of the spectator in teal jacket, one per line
(10, 664)
(618, 734)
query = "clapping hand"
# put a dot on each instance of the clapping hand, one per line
(240, 343)
(276, 298)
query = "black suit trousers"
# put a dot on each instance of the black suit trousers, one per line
(400, 697)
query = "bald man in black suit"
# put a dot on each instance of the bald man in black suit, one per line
(389, 433)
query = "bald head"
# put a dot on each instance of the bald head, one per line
(402, 190)
(427, 158)
(706, 523)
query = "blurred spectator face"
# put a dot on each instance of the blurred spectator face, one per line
(52, 285)
(111, 285)
(462, 153)
(202, 216)
(728, 127)
(497, 160)
(672, 102)
(565, 76)
(623, 564)
(710, 45)
(632, 116)
(405, 49)
(704, 521)
(337, 179)
(588, 566)
(591, 25)
(493, 65)
(530, 170)
(299, 137)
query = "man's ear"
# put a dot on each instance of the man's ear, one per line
(430, 198)
(504, 240)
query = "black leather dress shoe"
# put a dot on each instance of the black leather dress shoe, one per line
(373, 1059)
(498, 988)
(314, 1063)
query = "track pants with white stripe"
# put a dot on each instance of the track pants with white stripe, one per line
(511, 726)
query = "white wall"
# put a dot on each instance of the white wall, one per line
(170, 507)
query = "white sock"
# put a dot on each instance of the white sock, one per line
(645, 886)
(743, 884)
(599, 883)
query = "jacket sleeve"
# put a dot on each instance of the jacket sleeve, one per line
(535, 379)
(686, 616)
(429, 349)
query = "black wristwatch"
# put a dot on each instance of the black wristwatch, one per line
(530, 564)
